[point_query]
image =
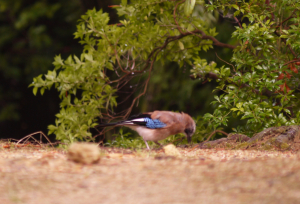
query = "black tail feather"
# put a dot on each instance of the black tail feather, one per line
(115, 124)
(107, 124)
(128, 122)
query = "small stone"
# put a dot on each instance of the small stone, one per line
(171, 150)
(84, 153)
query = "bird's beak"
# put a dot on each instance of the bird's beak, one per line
(189, 138)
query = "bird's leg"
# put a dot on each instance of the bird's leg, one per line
(147, 144)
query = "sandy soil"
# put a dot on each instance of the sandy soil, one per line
(44, 175)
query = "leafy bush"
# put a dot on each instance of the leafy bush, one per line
(259, 86)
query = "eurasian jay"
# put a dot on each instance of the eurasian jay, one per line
(158, 125)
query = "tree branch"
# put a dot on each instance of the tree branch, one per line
(237, 20)
(280, 24)
(174, 16)
(292, 61)
(216, 42)
(157, 50)
(212, 75)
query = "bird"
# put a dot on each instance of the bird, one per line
(158, 125)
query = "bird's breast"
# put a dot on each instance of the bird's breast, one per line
(151, 134)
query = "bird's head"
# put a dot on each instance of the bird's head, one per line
(190, 128)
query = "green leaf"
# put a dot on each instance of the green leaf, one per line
(124, 2)
(189, 7)
(239, 105)
(42, 90)
(58, 61)
(181, 46)
(235, 6)
(88, 57)
(35, 89)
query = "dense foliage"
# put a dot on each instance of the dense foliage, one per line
(258, 85)
(262, 84)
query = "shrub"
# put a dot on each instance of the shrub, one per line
(259, 84)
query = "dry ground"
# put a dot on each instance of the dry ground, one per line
(44, 175)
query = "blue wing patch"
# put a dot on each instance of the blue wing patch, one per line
(153, 124)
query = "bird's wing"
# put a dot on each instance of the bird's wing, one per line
(166, 117)
(145, 120)
(152, 120)
(174, 121)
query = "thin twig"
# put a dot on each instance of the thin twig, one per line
(27, 137)
(291, 16)
(237, 20)
(292, 51)
(225, 62)
(145, 89)
(174, 16)
(214, 132)
(292, 61)
(279, 25)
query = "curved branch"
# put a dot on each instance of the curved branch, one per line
(292, 61)
(145, 89)
(152, 57)
(182, 35)
(226, 62)
(237, 20)
(116, 54)
(291, 16)
(216, 42)
(212, 75)
(174, 16)
(157, 50)
(214, 132)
